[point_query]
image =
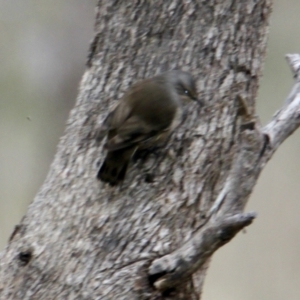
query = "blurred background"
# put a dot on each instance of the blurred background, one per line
(43, 48)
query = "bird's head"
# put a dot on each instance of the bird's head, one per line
(184, 84)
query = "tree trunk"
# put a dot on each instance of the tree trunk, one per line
(153, 236)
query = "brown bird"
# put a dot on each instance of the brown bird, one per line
(144, 117)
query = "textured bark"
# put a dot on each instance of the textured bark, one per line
(82, 239)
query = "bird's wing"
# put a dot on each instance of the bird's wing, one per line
(113, 121)
(132, 131)
(117, 117)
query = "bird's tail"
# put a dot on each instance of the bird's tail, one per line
(114, 167)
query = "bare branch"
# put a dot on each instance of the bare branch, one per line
(177, 267)
(294, 61)
(287, 119)
(242, 176)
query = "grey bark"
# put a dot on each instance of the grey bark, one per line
(152, 239)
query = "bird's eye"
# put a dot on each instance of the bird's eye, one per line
(186, 92)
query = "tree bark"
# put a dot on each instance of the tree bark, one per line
(153, 236)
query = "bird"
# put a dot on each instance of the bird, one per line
(144, 117)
